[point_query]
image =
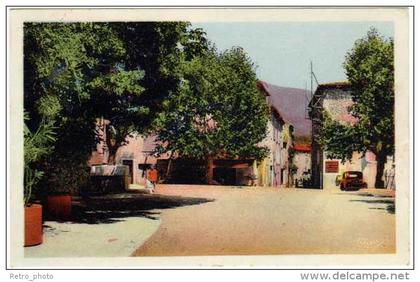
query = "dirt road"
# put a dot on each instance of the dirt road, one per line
(272, 221)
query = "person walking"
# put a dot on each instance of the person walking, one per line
(152, 176)
(390, 178)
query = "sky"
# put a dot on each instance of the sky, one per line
(283, 51)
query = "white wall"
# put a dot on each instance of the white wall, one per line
(366, 164)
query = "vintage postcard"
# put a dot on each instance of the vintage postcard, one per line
(209, 137)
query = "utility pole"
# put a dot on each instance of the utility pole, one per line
(312, 90)
(313, 76)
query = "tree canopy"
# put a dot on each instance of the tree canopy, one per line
(119, 71)
(218, 111)
(369, 67)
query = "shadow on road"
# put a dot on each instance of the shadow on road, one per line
(112, 208)
(390, 208)
(361, 194)
(373, 195)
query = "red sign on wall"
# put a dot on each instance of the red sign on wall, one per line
(331, 166)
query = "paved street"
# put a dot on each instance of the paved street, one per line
(251, 221)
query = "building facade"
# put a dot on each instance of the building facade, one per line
(301, 162)
(136, 154)
(291, 104)
(274, 170)
(335, 99)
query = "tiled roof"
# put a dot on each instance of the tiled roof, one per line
(291, 104)
(335, 84)
(302, 148)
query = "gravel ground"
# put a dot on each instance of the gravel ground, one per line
(185, 220)
(107, 226)
(114, 239)
(263, 221)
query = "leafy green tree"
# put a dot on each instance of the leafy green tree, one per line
(157, 49)
(71, 63)
(38, 144)
(118, 71)
(370, 70)
(217, 112)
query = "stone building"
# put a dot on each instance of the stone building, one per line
(288, 128)
(136, 154)
(336, 98)
(275, 169)
(287, 108)
(301, 161)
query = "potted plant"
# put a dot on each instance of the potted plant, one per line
(67, 172)
(58, 199)
(33, 212)
(36, 146)
(58, 205)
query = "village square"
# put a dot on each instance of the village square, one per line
(195, 139)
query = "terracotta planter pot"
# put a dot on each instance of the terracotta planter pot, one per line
(59, 206)
(33, 225)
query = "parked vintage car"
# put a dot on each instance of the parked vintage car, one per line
(351, 180)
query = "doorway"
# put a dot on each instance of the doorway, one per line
(225, 175)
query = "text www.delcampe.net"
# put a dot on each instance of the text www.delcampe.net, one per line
(359, 276)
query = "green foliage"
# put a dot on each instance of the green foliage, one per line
(84, 71)
(118, 83)
(218, 110)
(158, 49)
(37, 145)
(66, 167)
(62, 62)
(70, 62)
(66, 174)
(48, 106)
(337, 138)
(370, 70)
(293, 168)
(287, 134)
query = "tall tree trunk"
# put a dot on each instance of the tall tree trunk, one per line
(111, 156)
(210, 167)
(380, 164)
(111, 144)
(168, 168)
(112, 151)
